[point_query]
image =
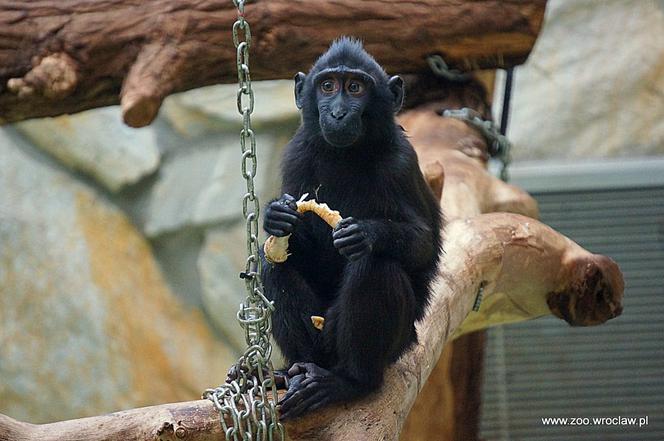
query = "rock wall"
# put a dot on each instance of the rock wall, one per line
(120, 251)
(594, 84)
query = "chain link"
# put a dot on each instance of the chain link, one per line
(499, 145)
(439, 67)
(249, 401)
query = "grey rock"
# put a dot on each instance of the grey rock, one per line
(214, 108)
(594, 83)
(204, 186)
(87, 323)
(97, 143)
(221, 260)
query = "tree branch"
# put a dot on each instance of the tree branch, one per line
(449, 403)
(63, 57)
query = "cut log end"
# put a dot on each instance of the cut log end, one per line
(594, 292)
(140, 110)
(151, 78)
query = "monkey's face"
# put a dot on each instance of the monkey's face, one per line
(342, 97)
(348, 104)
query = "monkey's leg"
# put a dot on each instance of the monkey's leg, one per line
(369, 326)
(295, 302)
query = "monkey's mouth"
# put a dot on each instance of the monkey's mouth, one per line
(341, 135)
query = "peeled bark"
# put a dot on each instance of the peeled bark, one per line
(63, 57)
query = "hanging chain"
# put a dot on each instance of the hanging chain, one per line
(440, 68)
(499, 145)
(249, 400)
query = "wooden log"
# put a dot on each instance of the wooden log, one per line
(448, 407)
(522, 265)
(63, 57)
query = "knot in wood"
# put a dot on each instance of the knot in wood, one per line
(53, 77)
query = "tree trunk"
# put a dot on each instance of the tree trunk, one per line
(448, 407)
(63, 57)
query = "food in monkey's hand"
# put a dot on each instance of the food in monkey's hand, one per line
(276, 248)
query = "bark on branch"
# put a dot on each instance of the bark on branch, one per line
(63, 57)
(448, 406)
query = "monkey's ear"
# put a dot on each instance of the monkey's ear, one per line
(299, 85)
(395, 84)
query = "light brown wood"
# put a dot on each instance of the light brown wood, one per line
(448, 406)
(193, 421)
(63, 57)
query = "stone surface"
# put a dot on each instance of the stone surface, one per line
(98, 144)
(87, 324)
(594, 83)
(221, 260)
(204, 185)
(214, 108)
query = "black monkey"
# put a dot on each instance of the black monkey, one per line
(369, 277)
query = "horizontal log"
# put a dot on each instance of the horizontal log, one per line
(63, 57)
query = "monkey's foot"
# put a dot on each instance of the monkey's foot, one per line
(311, 387)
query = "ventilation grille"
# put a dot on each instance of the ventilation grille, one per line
(544, 368)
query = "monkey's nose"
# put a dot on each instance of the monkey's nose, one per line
(339, 113)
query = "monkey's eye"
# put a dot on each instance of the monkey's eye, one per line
(328, 86)
(355, 87)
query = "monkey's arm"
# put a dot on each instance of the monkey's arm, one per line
(411, 243)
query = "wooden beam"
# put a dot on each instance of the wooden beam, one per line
(63, 57)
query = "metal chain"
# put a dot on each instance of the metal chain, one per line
(250, 399)
(439, 67)
(499, 145)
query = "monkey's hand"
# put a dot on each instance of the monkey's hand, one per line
(350, 237)
(281, 216)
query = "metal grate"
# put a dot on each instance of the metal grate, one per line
(544, 368)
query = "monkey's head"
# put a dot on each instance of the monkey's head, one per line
(347, 97)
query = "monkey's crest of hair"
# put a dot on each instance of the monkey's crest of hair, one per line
(349, 52)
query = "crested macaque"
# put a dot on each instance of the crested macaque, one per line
(370, 277)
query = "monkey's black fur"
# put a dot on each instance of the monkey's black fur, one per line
(370, 277)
